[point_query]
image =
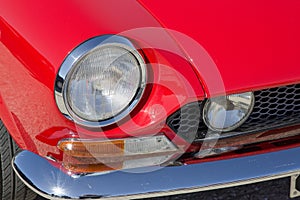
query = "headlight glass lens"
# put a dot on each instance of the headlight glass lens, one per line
(104, 82)
(227, 113)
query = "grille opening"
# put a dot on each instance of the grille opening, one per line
(286, 142)
(273, 108)
(246, 150)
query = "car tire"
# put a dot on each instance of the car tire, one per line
(12, 188)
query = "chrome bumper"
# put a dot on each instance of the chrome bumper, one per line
(50, 182)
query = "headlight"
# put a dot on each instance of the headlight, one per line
(102, 81)
(227, 113)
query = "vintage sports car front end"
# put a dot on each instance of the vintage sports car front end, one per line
(147, 98)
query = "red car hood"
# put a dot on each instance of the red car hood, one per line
(254, 44)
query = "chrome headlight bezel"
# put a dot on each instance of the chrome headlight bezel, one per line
(70, 63)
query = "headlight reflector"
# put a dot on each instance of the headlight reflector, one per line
(227, 113)
(102, 81)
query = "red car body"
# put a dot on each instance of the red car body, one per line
(253, 45)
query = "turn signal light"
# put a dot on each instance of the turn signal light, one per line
(87, 156)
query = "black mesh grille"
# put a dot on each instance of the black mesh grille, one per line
(187, 122)
(275, 107)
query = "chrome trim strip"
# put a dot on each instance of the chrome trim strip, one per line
(75, 56)
(50, 182)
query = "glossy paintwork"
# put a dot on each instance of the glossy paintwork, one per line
(253, 45)
(32, 48)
